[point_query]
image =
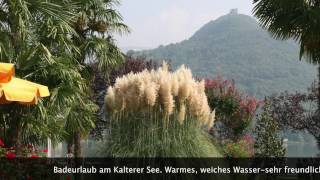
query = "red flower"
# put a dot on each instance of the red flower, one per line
(45, 151)
(1, 143)
(34, 157)
(10, 155)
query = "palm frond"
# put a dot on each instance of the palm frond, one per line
(104, 52)
(292, 19)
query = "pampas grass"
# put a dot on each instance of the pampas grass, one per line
(159, 113)
(160, 89)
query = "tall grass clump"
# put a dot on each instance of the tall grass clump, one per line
(158, 113)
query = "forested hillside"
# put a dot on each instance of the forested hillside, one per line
(237, 48)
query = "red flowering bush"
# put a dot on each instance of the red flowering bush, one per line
(1, 143)
(27, 151)
(243, 148)
(10, 155)
(234, 110)
(12, 167)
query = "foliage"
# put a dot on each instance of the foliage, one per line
(293, 19)
(133, 65)
(296, 19)
(235, 110)
(28, 151)
(95, 24)
(159, 114)
(29, 164)
(297, 111)
(36, 37)
(243, 148)
(52, 42)
(268, 141)
(21, 44)
(236, 47)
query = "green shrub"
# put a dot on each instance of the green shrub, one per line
(243, 148)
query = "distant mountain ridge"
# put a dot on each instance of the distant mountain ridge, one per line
(236, 47)
(125, 49)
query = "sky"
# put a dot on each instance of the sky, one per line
(161, 22)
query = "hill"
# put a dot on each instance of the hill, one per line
(236, 47)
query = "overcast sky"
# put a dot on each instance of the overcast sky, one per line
(160, 22)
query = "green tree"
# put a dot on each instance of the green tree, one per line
(297, 19)
(268, 142)
(96, 23)
(35, 36)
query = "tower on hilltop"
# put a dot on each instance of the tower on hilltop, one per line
(234, 11)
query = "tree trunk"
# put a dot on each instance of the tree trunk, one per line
(15, 130)
(69, 147)
(78, 153)
(16, 137)
(318, 144)
(316, 117)
(77, 145)
(318, 113)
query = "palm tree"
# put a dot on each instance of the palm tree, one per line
(297, 19)
(35, 35)
(96, 23)
(49, 44)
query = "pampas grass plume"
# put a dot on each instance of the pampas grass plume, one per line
(163, 91)
(151, 93)
(110, 99)
(182, 113)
